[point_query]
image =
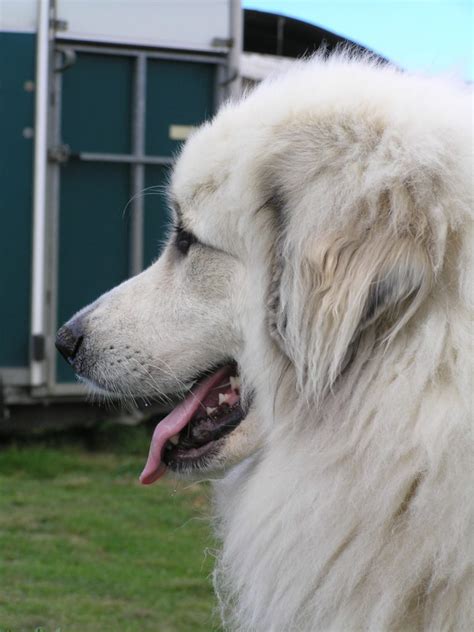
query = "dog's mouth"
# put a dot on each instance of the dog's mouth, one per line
(191, 432)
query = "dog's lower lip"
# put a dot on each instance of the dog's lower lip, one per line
(176, 460)
(200, 435)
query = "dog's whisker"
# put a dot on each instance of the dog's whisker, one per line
(155, 189)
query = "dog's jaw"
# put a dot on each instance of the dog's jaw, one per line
(192, 432)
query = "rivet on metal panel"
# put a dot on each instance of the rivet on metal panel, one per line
(29, 86)
(28, 132)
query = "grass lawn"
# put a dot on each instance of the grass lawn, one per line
(84, 547)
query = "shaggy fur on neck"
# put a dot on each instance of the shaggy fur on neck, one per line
(357, 514)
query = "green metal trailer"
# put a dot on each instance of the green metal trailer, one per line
(90, 127)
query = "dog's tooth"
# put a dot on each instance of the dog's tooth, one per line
(174, 439)
(210, 410)
(223, 397)
(235, 382)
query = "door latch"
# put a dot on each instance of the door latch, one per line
(59, 153)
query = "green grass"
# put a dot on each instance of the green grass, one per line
(84, 547)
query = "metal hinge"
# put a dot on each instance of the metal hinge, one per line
(68, 59)
(4, 412)
(59, 153)
(58, 25)
(221, 42)
(38, 347)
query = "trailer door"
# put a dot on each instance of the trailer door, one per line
(122, 115)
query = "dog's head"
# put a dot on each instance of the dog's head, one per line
(308, 226)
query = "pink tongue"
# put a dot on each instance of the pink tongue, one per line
(175, 422)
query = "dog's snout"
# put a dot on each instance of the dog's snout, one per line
(69, 339)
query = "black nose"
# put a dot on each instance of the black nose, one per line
(69, 339)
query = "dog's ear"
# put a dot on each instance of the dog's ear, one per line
(332, 291)
(361, 234)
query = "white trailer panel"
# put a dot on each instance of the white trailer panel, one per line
(181, 24)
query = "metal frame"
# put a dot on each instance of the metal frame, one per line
(224, 63)
(137, 166)
(128, 158)
(237, 34)
(53, 246)
(137, 161)
(150, 53)
(38, 267)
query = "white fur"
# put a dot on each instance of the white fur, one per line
(357, 512)
(339, 196)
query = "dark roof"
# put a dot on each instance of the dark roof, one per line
(273, 34)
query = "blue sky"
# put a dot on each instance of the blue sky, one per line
(427, 35)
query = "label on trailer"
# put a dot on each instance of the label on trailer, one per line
(180, 132)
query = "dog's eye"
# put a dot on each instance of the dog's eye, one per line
(184, 240)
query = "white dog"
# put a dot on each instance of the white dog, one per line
(323, 250)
